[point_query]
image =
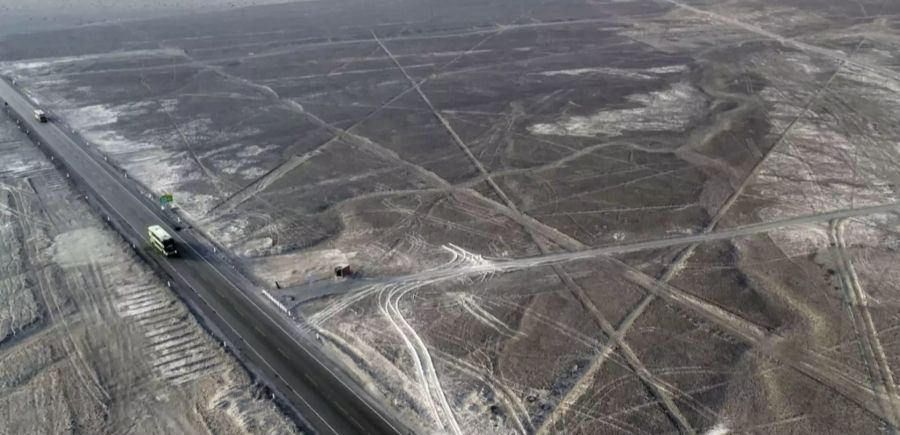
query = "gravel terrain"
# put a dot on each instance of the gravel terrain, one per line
(562, 217)
(91, 341)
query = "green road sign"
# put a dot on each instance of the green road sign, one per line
(166, 198)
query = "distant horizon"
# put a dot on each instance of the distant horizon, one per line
(36, 16)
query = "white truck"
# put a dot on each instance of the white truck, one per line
(161, 241)
(40, 115)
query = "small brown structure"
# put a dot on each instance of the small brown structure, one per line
(342, 270)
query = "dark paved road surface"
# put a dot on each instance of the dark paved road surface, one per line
(292, 364)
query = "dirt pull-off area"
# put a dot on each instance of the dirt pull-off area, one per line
(90, 340)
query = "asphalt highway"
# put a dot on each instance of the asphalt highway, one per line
(290, 363)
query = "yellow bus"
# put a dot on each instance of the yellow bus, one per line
(161, 241)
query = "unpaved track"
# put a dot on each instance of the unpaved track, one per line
(389, 304)
(296, 368)
(499, 264)
(815, 366)
(857, 303)
(100, 372)
(834, 54)
(510, 265)
(85, 373)
(567, 403)
(655, 385)
(260, 184)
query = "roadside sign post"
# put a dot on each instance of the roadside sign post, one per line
(166, 199)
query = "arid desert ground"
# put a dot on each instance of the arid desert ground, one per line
(579, 216)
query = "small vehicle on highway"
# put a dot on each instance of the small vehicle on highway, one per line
(161, 241)
(40, 115)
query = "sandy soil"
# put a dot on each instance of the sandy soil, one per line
(445, 151)
(91, 341)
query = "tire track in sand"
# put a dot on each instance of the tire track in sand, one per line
(857, 302)
(660, 389)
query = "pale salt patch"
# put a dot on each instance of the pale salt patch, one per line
(254, 150)
(36, 99)
(636, 74)
(27, 65)
(195, 204)
(631, 74)
(162, 171)
(801, 240)
(252, 172)
(58, 82)
(866, 230)
(111, 142)
(168, 104)
(238, 167)
(458, 53)
(225, 166)
(50, 62)
(85, 246)
(803, 62)
(197, 127)
(136, 109)
(219, 150)
(669, 110)
(16, 164)
(92, 116)
(256, 247)
(719, 429)
(229, 233)
(669, 69)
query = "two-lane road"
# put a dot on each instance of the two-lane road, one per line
(292, 364)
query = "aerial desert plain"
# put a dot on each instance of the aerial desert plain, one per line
(579, 216)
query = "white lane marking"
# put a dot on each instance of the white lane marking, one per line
(232, 284)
